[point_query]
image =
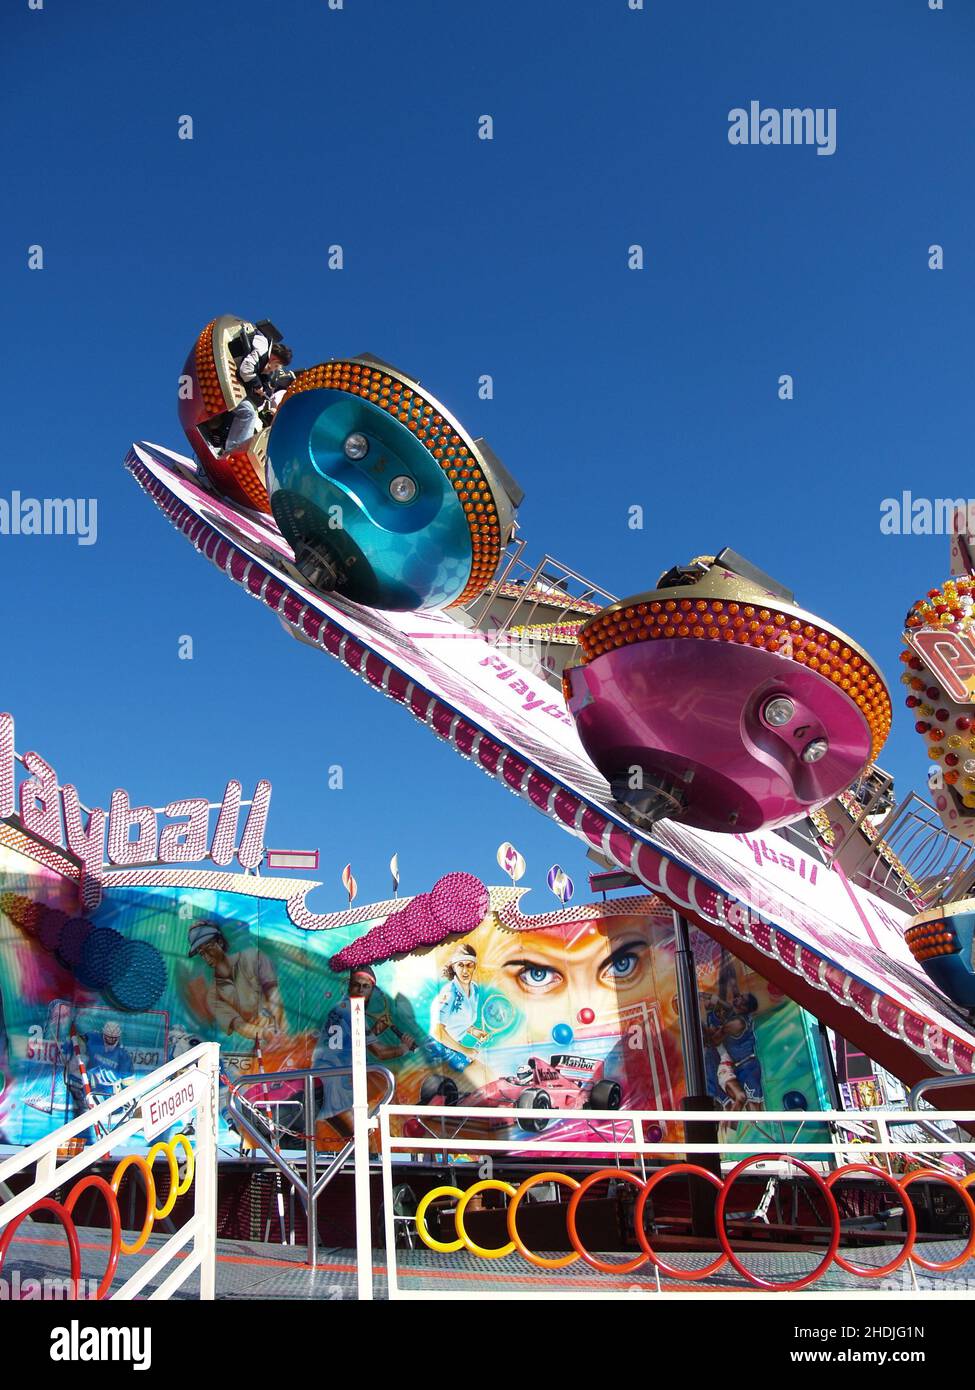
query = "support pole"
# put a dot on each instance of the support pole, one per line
(695, 1079)
(360, 1115)
(311, 1206)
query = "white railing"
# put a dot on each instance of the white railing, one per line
(199, 1069)
(863, 1138)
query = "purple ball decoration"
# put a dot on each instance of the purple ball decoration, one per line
(74, 934)
(52, 924)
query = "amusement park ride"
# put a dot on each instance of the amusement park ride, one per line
(664, 729)
(708, 740)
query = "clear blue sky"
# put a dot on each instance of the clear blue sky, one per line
(465, 257)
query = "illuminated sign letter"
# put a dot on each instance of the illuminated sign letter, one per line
(6, 766)
(40, 805)
(121, 849)
(251, 850)
(88, 843)
(225, 833)
(186, 841)
(950, 657)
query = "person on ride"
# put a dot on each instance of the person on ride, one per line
(264, 374)
(334, 1049)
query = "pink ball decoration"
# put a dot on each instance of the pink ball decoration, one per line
(585, 1015)
(459, 902)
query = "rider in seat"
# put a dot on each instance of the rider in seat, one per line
(264, 374)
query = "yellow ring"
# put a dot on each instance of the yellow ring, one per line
(170, 1151)
(445, 1247)
(187, 1148)
(487, 1185)
(541, 1261)
(121, 1169)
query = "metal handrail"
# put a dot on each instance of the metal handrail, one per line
(937, 1083)
(312, 1186)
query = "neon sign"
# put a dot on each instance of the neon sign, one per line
(950, 657)
(53, 814)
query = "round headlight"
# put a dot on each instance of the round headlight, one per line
(356, 446)
(815, 750)
(402, 488)
(779, 711)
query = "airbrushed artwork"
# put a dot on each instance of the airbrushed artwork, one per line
(556, 1016)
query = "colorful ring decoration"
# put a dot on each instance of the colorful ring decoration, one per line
(834, 1244)
(180, 1140)
(109, 1190)
(138, 1162)
(540, 1261)
(723, 1187)
(93, 1181)
(485, 1185)
(868, 1271)
(444, 1247)
(47, 1204)
(604, 1266)
(160, 1213)
(963, 1193)
(672, 1271)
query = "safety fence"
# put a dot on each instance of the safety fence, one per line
(179, 1096)
(836, 1153)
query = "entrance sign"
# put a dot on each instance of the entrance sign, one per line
(171, 1102)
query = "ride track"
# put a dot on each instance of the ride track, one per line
(835, 950)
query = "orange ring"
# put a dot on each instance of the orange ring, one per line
(672, 1271)
(963, 1193)
(603, 1266)
(866, 1271)
(111, 1201)
(540, 1261)
(170, 1151)
(122, 1168)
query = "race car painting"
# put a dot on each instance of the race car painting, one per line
(564, 1082)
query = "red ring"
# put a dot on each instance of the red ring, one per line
(628, 1266)
(48, 1204)
(867, 1271)
(963, 1193)
(670, 1270)
(834, 1244)
(111, 1201)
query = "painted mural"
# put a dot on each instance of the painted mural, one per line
(557, 1016)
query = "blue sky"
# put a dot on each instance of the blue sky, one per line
(464, 257)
